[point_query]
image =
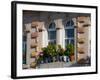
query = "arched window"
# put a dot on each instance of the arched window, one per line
(69, 32)
(52, 33)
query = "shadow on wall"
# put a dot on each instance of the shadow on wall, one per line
(82, 62)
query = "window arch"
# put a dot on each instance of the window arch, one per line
(52, 33)
(52, 26)
(69, 32)
(69, 23)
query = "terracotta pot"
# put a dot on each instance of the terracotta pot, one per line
(72, 58)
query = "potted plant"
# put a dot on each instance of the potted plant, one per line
(52, 51)
(45, 54)
(60, 53)
(66, 55)
(40, 58)
(70, 48)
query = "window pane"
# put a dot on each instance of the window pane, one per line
(68, 23)
(52, 42)
(69, 33)
(51, 35)
(66, 42)
(69, 41)
(72, 41)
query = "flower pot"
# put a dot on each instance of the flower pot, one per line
(64, 58)
(41, 62)
(72, 58)
(61, 58)
(57, 58)
(54, 59)
(49, 59)
(45, 60)
(67, 59)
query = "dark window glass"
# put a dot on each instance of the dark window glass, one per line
(52, 34)
(70, 23)
(69, 33)
(52, 26)
(72, 41)
(67, 41)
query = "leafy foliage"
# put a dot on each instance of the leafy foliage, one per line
(60, 50)
(70, 49)
(52, 49)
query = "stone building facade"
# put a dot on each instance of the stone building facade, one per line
(42, 28)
